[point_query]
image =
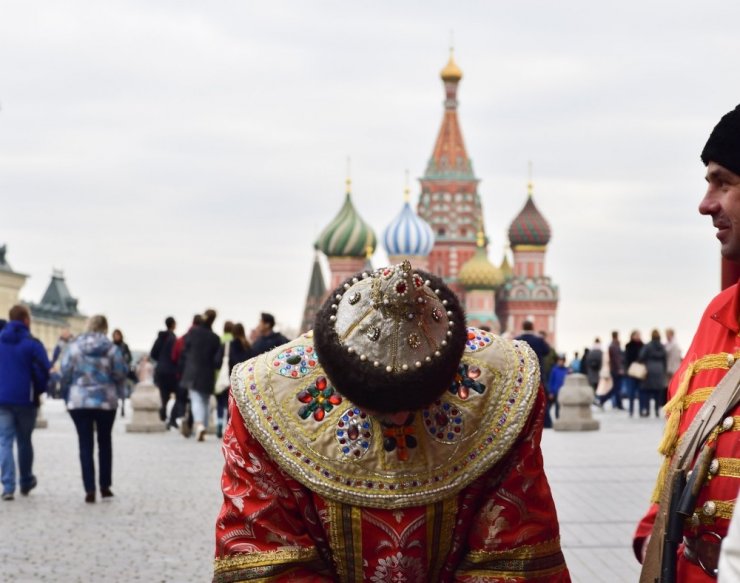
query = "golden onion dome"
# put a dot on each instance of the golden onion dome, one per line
(478, 272)
(451, 71)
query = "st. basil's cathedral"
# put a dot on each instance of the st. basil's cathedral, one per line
(446, 236)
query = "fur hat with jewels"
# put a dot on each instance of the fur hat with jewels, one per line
(392, 340)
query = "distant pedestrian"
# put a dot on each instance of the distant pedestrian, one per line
(653, 356)
(145, 370)
(236, 351)
(65, 337)
(201, 365)
(632, 384)
(24, 370)
(165, 371)
(93, 376)
(130, 374)
(575, 364)
(266, 337)
(556, 382)
(593, 363)
(672, 354)
(616, 371)
(537, 343)
(182, 401)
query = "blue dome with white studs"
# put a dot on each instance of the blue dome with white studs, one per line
(408, 234)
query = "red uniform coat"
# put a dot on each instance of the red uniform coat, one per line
(288, 514)
(713, 350)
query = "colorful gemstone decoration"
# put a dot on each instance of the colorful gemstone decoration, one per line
(466, 380)
(354, 433)
(399, 438)
(477, 340)
(318, 400)
(387, 272)
(295, 362)
(401, 288)
(418, 281)
(443, 421)
(437, 314)
(413, 340)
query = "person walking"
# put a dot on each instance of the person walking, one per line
(673, 354)
(131, 374)
(616, 369)
(93, 375)
(593, 363)
(24, 374)
(556, 382)
(165, 371)
(632, 384)
(236, 351)
(266, 337)
(694, 392)
(201, 365)
(653, 356)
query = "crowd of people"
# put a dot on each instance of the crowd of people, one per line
(94, 374)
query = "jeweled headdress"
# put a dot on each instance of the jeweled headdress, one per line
(391, 340)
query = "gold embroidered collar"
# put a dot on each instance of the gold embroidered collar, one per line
(345, 454)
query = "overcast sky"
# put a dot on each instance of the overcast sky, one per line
(174, 156)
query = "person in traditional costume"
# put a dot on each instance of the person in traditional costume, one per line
(703, 438)
(391, 443)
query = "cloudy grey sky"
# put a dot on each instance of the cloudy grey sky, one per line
(173, 156)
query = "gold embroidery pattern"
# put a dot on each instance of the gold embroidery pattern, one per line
(263, 565)
(518, 553)
(345, 536)
(309, 454)
(440, 524)
(723, 510)
(528, 562)
(729, 467)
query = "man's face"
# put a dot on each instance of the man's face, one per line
(722, 203)
(262, 328)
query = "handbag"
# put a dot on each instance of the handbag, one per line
(637, 370)
(222, 380)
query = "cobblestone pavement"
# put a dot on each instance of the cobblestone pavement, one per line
(159, 526)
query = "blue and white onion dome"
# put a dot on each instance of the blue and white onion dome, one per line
(408, 234)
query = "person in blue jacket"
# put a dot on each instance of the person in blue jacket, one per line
(24, 374)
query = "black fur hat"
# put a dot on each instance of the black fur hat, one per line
(391, 341)
(723, 145)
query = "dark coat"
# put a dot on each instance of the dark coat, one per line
(24, 366)
(161, 353)
(267, 343)
(632, 352)
(200, 357)
(653, 356)
(237, 354)
(592, 364)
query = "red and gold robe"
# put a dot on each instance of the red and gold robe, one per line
(315, 489)
(714, 349)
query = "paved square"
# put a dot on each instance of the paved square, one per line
(159, 526)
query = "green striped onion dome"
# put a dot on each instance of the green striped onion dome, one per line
(347, 235)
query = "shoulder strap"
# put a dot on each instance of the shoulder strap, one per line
(724, 397)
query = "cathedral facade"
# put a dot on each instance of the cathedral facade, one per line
(446, 236)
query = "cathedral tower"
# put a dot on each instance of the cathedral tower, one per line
(449, 199)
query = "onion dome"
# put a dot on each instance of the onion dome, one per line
(347, 235)
(451, 71)
(408, 234)
(478, 272)
(529, 227)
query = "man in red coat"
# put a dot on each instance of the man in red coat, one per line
(714, 349)
(391, 443)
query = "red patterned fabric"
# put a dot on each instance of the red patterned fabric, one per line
(707, 363)
(501, 528)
